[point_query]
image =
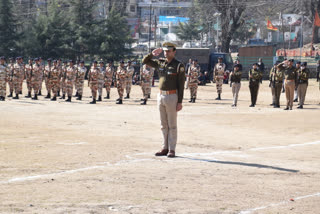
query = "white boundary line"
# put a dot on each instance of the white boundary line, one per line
(278, 204)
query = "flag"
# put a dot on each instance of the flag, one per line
(270, 26)
(317, 19)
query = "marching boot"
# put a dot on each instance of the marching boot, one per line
(20, 92)
(108, 96)
(29, 95)
(119, 101)
(69, 99)
(54, 98)
(3, 98)
(193, 100)
(79, 97)
(63, 97)
(144, 102)
(35, 97)
(149, 96)
(10, 95)
(99, 99)
(48, 96)
(16, 97)
(127, 97)
(58, 94)
(93, 101)
(40, 93)
(77, 94)
(219, 97)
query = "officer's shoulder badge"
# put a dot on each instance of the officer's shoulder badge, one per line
(181, 69)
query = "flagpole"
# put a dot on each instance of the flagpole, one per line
(311, 49)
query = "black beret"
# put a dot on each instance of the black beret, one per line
(304, 64)
(255, 64)
(49, 59)
(236, 66)
(195, 60)
(36, 59)
(291, 60)
(101, 62)
(121, 61)
(95, 61)
(81, 61)
(71, 61)
(298, 62)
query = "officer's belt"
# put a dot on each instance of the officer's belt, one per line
(168, 92)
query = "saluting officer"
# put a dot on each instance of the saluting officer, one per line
(171, 84)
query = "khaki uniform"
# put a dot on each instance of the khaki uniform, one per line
(101, 77)
(93, 81)
(54, 80)
(121, 75)
(81, 72)
(290, 76)
(129, 75)
(108, 78)
(145, 76)
(192, 83)
(36, 78)
(272, 86)
(70, 78)
(171, 84)
(303, 77)
(277, 84)
(18, 71)
(151, 81)
(3, 80)
(254, 83)
(235, 77)
(219, 70)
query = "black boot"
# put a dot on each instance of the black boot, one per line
(69, 99)
(144, 102)
(10, 95)
(127, 97)
(54, 98)
(58, 94)
(149, 96)
(20, 92)
(40, 93)
(3, 98)
(63, 97)
(29, 95)
(79, 97)
(93, 101)
(108, 96)
(219, 97)
(119, 101)
(193, 100)
(16, 97)
(48, 96)
(77, 94)
(99, 99)
(35, 97)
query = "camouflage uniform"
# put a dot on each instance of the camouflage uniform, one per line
(93, 81)
(121, 81)
(18, 71)
(80, 79)
(108, 78)
(128, 79)
(54, 80)
(145, 76)
(46, 77)
(101, 76)
(193, 74)
(10, 78)
(151, 82)
(219, 70)
(28, 74)
(3, 80)
(70, 77)
(63, 80)
(36, 79)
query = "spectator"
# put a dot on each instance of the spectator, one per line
(261, 65)
(202, 79)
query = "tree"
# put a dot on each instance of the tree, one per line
(189, 31)
(9, 35)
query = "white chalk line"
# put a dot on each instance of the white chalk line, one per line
(278, 204)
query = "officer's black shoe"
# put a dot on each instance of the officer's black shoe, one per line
(119, 101)
(16, 97)
(10, 95)
(54, 99)
(40, 93)
(286, 109)
(276, 106)
(127, 97)
(193, 100)
(28, 96)
(35, 97)
(93, 101)
(69, 99)
(295, 100)
(48, 96)
(251, 105)
(63, 97)
(149, 96)
(79, 97)
(300, 106)
(144, 102)
(99, 99)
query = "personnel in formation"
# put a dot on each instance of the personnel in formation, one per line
(303, 81)
(10, 78)
(192, 80)
(93, 81)
(290, 78)
(277, 82)
(271, 85)
(36, 78)
(101, 79)
(121, 75)
(171, 84)
(81, 73)
(63, 87)
(145, 76)
(18, 71)
(70, 78)
(28, 75)
(108, 78)
(129, 75)
(219, 70)
(235, 79)
(4, 74)
(296, 97)
(54, 80)
(255, 78)
(46, 73)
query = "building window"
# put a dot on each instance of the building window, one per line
(132, 8)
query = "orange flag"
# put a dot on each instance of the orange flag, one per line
(317, 19)
(270, 26)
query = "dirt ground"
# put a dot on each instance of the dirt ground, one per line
(58, 157)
